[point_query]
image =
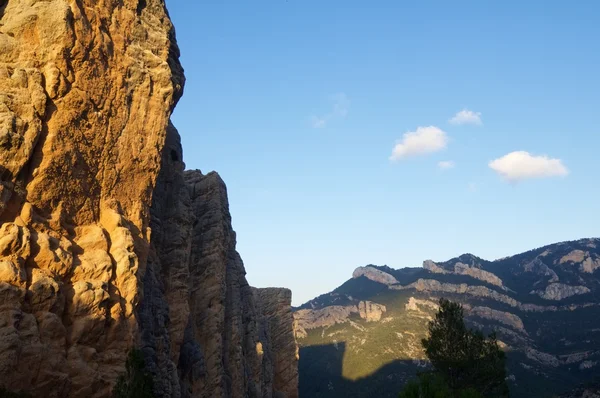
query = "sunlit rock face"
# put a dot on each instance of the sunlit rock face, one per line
(86, 92)
(105, 242)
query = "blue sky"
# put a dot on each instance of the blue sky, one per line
(300, 105)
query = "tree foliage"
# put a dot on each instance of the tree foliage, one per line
(136, 382)
(465, 361)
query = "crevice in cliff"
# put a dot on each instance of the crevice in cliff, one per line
(140, 7)
(3, 4)
(114, 294)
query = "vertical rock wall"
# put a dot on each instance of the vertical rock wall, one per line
(86, 92)
(275, 318)
(105, 242)
(204, 331)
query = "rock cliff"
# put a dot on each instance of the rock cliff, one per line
(375, 275)
(306, 319)
(275, 315)
(371, 312)
(106, 243)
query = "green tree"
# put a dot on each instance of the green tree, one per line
(465, 358)
(136, 382)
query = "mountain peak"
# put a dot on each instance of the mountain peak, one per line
(375, 274)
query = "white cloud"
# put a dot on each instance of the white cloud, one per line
(467, 117)
(340, 105)
(446, 164)
(422, 141)
(520, 165)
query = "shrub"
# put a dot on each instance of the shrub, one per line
(136, 382)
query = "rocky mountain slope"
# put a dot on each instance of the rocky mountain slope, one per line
(106, 243)
(544, 304)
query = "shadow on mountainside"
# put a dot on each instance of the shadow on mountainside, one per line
(321, 375)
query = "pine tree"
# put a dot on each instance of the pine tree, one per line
(465, 358)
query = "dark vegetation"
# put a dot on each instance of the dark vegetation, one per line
(135, 382)
(10, 394)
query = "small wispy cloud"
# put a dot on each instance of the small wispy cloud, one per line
(340, 106)
(466, 117)
(446, 164)
(520, 165)
(420, 142)
(318, 123)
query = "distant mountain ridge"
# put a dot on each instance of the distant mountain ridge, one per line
(544, 304)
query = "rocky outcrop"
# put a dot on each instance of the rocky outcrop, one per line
(105, 242)
(542, 357)
(433, 267)
(483, 292)
(590, 265)
(538, 267)
(306, 319)
(370, 311)
(576, 256)
(375, 275)
(464, 269)
(431, 285)
(504, 317)
(559, 291)
(587, 261)
(275, 315)
(587, 365)
(414, 304)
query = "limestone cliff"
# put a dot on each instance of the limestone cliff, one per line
(375, 275)
(306, 319)
(105, 242)
(370, 311)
